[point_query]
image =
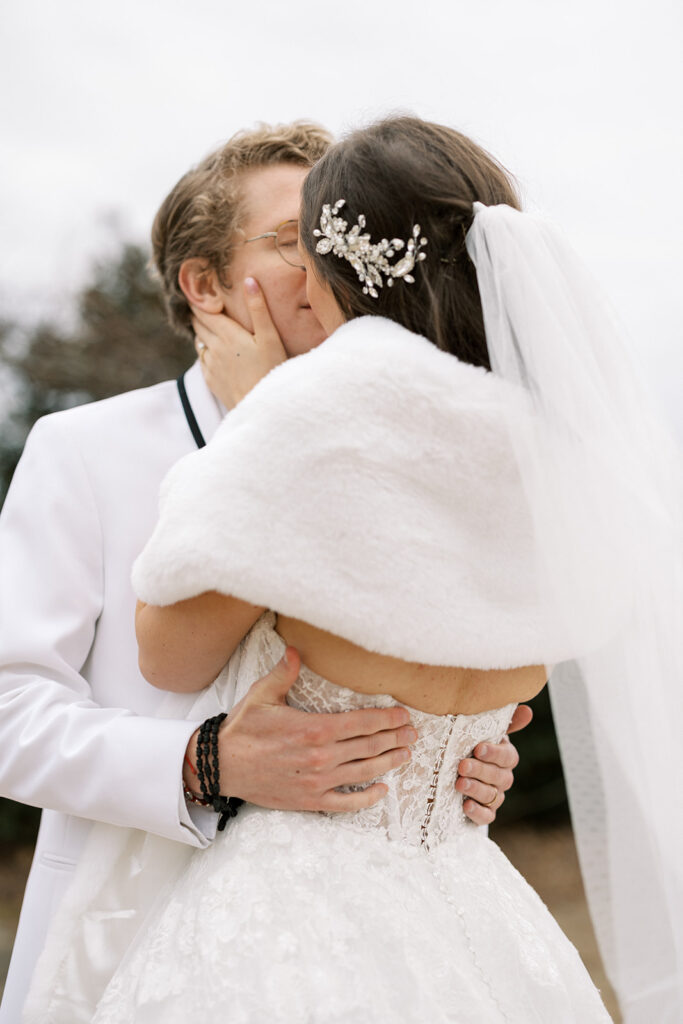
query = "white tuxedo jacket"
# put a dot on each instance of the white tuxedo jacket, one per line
(78, 734)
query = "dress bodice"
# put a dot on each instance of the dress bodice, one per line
(422, 806)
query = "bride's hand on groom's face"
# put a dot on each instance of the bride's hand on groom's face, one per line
(234, 359)
(276, 756)
(485, 777)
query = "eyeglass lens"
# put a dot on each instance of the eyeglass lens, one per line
(287, 242)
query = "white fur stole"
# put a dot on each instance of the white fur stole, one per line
(369, 488)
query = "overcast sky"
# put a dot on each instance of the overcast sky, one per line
(107, 104)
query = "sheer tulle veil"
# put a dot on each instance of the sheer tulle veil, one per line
(603, 479)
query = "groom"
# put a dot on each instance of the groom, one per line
(78, 732)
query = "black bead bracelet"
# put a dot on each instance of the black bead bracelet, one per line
(208, 771)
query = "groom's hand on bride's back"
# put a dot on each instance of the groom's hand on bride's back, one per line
(484, 778)
(276, 756)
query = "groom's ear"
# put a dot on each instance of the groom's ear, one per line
(200, 285)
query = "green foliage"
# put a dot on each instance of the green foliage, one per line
(121, 341)
(18, 822)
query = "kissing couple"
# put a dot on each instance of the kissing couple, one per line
(472, 494)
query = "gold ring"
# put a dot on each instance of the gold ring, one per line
(493, 798)
(202, 352)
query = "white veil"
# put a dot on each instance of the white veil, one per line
(603, 480)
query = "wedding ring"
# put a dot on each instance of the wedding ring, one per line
(493, 798)
(203, 349)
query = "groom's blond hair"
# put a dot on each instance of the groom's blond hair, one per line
(200, 215)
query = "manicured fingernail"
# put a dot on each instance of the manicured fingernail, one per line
(483, 750)
(467, 785)
(251, 285)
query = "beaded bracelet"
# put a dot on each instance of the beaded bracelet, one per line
(208, 771)
(193, 798)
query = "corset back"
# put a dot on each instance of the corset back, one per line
(422, 806)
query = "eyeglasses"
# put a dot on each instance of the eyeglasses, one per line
(286, 242)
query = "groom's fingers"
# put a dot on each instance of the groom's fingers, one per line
(347, 725)
(489, 797)
(470, 770)
(481, 815)
(356, 772)
(334, 801)
(503, 755)
(484, 778)
(274, 755)
(364, 747)
(274, 687)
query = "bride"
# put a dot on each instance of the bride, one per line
(474, 505)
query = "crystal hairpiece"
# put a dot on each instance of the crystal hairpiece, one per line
(369, 261)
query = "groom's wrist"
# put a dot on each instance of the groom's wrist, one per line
(190, 777)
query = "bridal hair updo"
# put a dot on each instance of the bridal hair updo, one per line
(400, 172)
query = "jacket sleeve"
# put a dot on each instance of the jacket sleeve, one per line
(58, 748)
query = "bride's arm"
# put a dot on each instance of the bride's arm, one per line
(183, 646)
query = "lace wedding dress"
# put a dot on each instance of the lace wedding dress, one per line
(404, 911)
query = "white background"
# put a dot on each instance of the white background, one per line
(107, 104)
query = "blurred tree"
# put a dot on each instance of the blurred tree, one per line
(18, 823)
(120, 341)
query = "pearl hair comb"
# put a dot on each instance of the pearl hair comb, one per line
(370, 261)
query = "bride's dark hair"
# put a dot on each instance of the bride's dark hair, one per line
(400, 172)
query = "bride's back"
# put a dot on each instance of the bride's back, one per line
(438, 690)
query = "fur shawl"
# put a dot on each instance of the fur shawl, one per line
(370, 488)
